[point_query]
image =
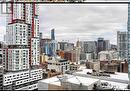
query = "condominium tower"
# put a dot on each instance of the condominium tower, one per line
(122, 44)
(128, 45)
(22, 38)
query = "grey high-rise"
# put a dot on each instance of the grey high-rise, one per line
(122, 44)
(128, 32)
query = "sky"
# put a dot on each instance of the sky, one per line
(83, 22)
(74, 22)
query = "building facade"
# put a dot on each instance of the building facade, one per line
(89, 47)
(22, 56)
(58, 64)
(128, 45)
(102, 45)
(108, 55)
(122, 44)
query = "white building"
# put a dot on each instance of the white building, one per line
(21, 79)
(21, 59)
(107, 55)
(122, 44)
(35, 51)
(118, 80)
(17, 34)
(18, 59)
(79, 82)
(60, 65)
(67, 82)
(89, 56)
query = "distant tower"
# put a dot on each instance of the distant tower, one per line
(53, 42)
(53, 34)
(122, 44)
(100, 44)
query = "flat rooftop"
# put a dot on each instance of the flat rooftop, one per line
(71, 79)
(120, 86)
(118, 77)
(86, 81)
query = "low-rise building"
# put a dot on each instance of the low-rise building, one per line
(58, 64)
(67, 82)
(83, 82)
(111, 67)
(117, 77)
(107, 55)
(89, 56)
(74, 67)
(93, 65)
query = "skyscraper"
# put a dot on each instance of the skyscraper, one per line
(53, 34)
(53, 43)
(107, 45)
(122, 44)
(22, 37)
(100, 46)
(103, 45)
(128, 32)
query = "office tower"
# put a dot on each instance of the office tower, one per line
(78, 51)
(62, 45)
(49, 46)
(128, 33)
(22, 38)
(106, 45)
(122, 44)
(89, 47)
(53, 43)
(103, 45)
(100, 44)
(44, 45)
(53, 34)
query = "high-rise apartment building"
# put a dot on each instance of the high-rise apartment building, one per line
(122, 44)
(128, 45)
(22, 54)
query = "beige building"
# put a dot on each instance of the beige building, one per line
(93, 65)
(74, 67)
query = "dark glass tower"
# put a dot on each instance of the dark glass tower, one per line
(53, 34)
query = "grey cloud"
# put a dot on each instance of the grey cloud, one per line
(76, 20)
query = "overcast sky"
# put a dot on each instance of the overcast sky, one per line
(80, 21)
(83, 22)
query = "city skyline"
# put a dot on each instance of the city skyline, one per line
(88, 42)
(83, 25)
